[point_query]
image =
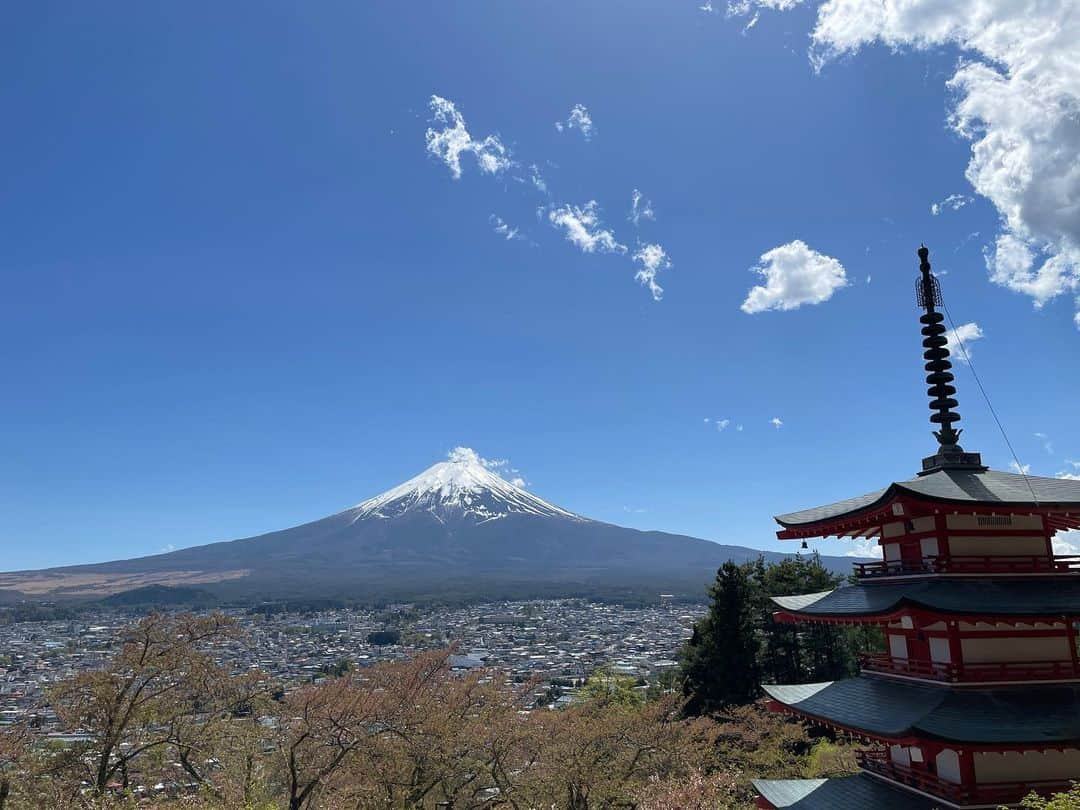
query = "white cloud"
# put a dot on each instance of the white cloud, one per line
(580, 120)
(794, 275)
(864, 547)
(503, 229)
(453, 140)
(1017, 95)
(1066, 542)
(739, 428)
(776, 422)
(537, 179)
(584, 229)
(640, 208)
(707, 7)
(953, 202)
(169, 547)
(1048, 445)
(653, 259)
(1021, 469)
(965, 240)
(965, 333)
(1070, 476)
(721, 424)
(500, 466)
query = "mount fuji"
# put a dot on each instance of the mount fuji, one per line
(459, 529)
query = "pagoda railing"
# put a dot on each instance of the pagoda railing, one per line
(878, 762)
(971, 564)
(973, 672)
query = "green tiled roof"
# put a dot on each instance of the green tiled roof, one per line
(888, 708)
(862, 792)
(955, 486)
(1001, 597)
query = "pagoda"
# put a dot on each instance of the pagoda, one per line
(976, 700)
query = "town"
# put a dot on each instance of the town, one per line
(555, 643)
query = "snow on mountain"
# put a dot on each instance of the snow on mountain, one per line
(464, 485)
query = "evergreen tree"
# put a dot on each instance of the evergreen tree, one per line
(796, 653)
(720, 662)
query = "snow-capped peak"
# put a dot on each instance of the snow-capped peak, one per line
(463, 485)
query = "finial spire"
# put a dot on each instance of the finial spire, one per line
(939, 378)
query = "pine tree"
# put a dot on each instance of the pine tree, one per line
(720, 662)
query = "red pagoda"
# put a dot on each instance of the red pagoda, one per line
(976, 701)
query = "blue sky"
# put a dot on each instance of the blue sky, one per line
(240, 291)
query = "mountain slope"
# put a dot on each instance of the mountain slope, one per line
(457, 528)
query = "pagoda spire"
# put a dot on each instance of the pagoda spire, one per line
(939, 378)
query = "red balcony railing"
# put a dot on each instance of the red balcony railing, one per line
(971, 564)
(971, 673)
(983, 793)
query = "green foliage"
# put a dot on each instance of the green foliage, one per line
(828, 758)
(609, 687)
(382, 638)
(737, 645)
(337, 669)
(720, 662)
(1068, 800)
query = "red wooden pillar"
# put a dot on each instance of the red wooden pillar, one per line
(967, 769)
(941, 530)
(956, 649)
(1072, 640)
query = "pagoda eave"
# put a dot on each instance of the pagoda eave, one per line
(990, 719)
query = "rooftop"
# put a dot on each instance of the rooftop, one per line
(844, 793)
(959, 596)
(960, 487)
(893, 710)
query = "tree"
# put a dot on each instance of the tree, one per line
(720, 662)
(160, 681)
(341, 726)
(795, 653)
(1067, 800)
(601, 753)
(604, 684)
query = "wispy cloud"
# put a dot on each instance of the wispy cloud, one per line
(503, 229)
(578, 119)
(721, 424)
(640, 208)
(1020, 469)
(538, 181)
(1048, 445)
(652, 259)
(584, 228)
(776, 422)
(500, 466)
(453, 140)
(794, 275)
(954, 202)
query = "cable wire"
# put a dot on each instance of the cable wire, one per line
(967, 359)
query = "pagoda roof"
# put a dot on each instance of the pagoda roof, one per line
(841, 793)
(967, 487)
(987, 597)
(890, 709)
